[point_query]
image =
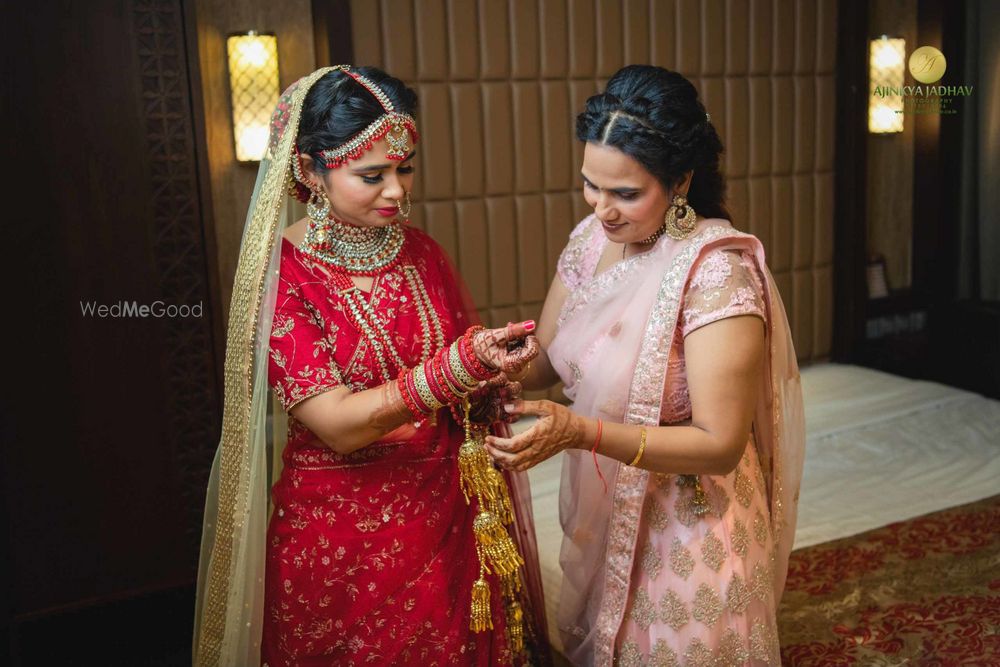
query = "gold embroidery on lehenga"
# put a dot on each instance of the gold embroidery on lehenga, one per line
(651, 563)
(740, 538)
(764, 643)
(732, 651)
(643, 612)
(698, 655)
(707, 605)
(657, 518)
(744, 488)
(662, 655)
(630, 655)
(760, 528)
(713, 552)
(760, 582)
(673, 611)
(681, 561)
(737, 594)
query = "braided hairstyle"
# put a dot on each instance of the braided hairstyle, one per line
(654, 116)
(337, 108)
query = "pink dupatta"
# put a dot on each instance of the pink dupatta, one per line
(611, 350)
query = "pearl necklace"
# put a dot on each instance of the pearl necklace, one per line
(357, 251)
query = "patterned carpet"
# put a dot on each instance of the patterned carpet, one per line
(920, 592)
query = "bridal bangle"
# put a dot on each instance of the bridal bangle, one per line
(642, 447)
(445, 378)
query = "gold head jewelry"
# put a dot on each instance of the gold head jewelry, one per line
(680, 220)
(396, 127)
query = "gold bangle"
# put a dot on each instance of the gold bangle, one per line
(642, 446)
(424, 390)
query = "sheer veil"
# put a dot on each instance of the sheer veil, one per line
(230, 595)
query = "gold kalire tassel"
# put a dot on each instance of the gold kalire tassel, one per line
(496, 549)
(500, 550)
(482, 613)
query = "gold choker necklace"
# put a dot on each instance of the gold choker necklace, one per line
(357, 251)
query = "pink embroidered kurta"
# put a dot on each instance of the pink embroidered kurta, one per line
(371, 555)
(700, 590)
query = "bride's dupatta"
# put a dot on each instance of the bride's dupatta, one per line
(612, 349)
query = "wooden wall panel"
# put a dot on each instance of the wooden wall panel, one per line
(764, 69)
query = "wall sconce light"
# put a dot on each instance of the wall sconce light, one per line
(253, 84)
(886, 60)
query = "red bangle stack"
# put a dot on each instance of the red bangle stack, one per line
(467, 352)
(434, 384)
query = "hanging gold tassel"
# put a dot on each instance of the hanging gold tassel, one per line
(494, 545)
(482, 614)
(472, 461)
(500, 550)
(515, 627)
(497, 498)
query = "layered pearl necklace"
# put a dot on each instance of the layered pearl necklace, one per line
(357, 251)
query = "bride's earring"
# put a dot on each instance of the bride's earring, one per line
(318, 210)
(679, 221)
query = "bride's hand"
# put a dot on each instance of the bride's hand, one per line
(558, 428)
(509, 349)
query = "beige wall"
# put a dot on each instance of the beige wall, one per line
(232, 182)
(500, 84)
(890, 159)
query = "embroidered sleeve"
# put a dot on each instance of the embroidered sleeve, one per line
(725, 284)
(302, 348)
(577, 257)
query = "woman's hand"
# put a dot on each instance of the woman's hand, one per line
(558, 428)
(509, 349)
(488, 400)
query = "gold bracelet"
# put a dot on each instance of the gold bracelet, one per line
(642, 446)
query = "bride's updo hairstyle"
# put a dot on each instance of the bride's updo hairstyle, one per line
(337, 108)
(654, 116)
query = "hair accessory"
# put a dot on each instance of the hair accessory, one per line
(679, 221)
(708, 117)
(396, 127)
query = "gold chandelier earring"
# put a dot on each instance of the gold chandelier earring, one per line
(680, 220)
(409, 206)
(318, 210)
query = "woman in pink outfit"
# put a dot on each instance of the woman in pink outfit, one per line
(665, 326)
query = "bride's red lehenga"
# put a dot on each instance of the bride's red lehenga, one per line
(371, 556)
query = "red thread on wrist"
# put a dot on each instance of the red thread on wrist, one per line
(593, 452)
